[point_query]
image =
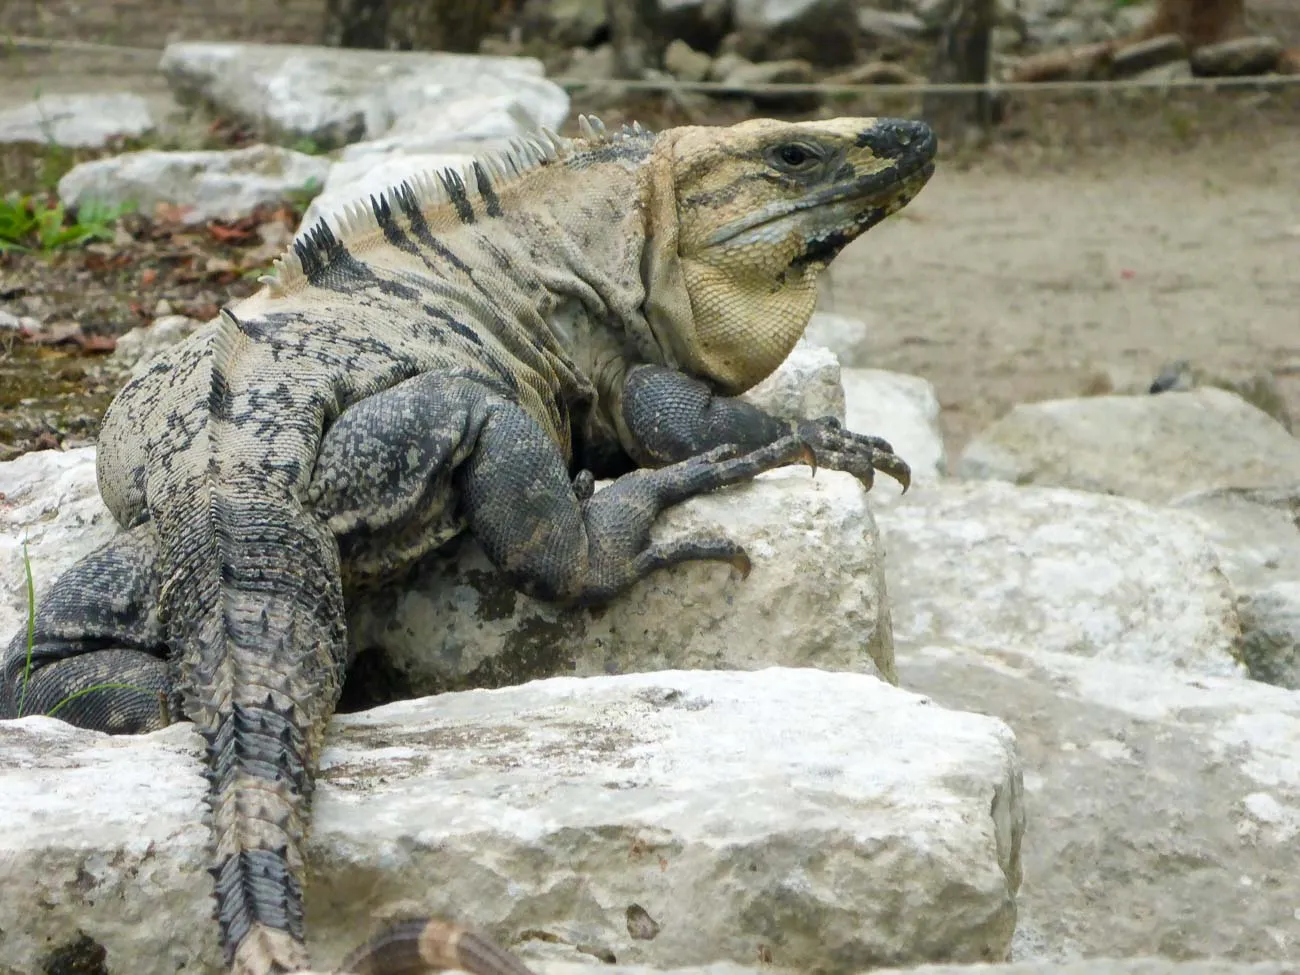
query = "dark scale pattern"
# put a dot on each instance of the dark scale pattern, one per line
(445, 368)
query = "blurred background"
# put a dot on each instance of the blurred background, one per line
(1120, 207)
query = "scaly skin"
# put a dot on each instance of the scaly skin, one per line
(464, 354)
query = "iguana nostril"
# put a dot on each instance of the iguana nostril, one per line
(895, 138)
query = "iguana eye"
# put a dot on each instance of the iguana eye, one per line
(794, 155)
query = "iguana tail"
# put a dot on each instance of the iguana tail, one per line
(254, 605)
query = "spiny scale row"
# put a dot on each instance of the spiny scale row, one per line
(430, 187)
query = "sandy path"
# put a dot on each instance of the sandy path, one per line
(1003, 287)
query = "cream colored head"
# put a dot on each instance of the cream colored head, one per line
(748, 217)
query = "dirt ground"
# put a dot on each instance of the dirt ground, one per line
(1115, 233)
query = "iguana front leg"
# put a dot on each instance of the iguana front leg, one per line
(404, 469)
(667, 416)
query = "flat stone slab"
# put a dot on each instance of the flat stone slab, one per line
(1154, 448)
(202, 185)
(785, 808)
(996, 566)
(77, 121)
(1164, 806)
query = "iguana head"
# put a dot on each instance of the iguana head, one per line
(742, 220)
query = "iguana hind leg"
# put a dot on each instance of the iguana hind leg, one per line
(557, 541)
(97, 656)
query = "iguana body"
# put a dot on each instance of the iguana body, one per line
(462, 355)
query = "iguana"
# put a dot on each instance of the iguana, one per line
(465, 352)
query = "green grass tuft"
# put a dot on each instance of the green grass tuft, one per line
(30, 223)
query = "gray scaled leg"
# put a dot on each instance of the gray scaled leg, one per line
(558, 541)
(97, 658)
(404, 470)
(670, 416)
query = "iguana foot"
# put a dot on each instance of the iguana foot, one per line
(96, 657)
(854, 453)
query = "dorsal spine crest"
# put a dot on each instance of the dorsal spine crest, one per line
(435, 188)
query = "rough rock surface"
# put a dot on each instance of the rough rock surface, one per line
(1257, 536)
(77, 121)
(142, 343)
(991, 565)
(1155, 448)
(335, 96)
(204, 184)
(806, 386)
(1164, 808)
(815, 597)
(784, 811)
(902, 409)
(848, 337)
(463, 122)
(50, 501)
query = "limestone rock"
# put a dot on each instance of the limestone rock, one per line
(807, 385)
(684, 63)
(77, 121)
(467, 123)
(902, 409)
(993, 566)
(816, 597)
(1154, 448)
(335, 96)
(204, 184)
(784, 808)
(1257, 536)
(1164, 806)
(138, 346)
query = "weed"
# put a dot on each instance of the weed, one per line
(30, 223)
(308, 146)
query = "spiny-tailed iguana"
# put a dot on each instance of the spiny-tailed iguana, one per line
(465, 352)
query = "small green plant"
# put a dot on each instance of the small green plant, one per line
(29, 223)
